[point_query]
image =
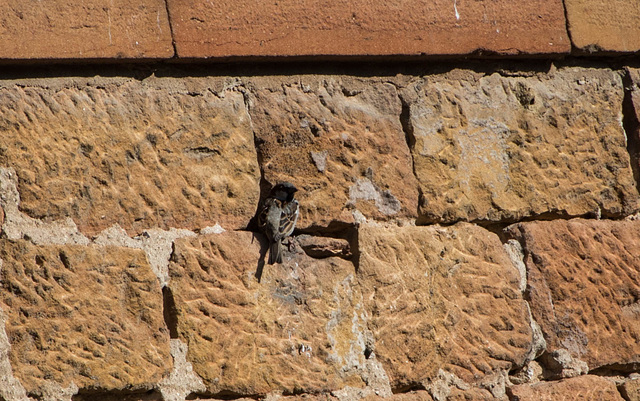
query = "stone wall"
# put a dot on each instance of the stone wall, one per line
(468, 176)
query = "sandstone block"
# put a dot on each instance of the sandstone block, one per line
(91, 29)
(419, 395)
(583, 283)
(82, 316)
(597, 26)
(301, 329)
(340, 142)
(578, 388)
(630, 389)
(140, 154)
(444, 303)
(357, 28)
(632, 114)
(489, 147)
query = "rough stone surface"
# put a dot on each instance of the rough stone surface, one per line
(610, 26)
(630, 389)
(157, 244)
(82, 317)
(300, 329)
(445, 305)
(584, 286)
(17, 225)
(354, 125)
(411, 27)
(560, 364)
(419, 395)
(632, 114)
(323, 247)
(157, 152)
(578, 388)
(90, 29)
(490, 147)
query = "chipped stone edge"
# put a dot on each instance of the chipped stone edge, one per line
(17, 225)
(156, 243)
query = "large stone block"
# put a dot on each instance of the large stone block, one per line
(300, 329)
(578, 388)
(584, 285)
(496, 148)
(141, 154)
(340, 141)
(445, 304)
(357, 28)
(604, 26)
(632, 116)
(82, 316)
(91, 29)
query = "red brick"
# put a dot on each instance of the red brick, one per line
(409, 27)
(610, 26)
(90, 29)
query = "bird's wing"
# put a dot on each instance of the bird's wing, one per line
(288, 218)
(264, 212)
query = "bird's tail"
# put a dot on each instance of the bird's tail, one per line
(275, 252)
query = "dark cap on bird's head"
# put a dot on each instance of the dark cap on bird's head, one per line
(284, 191)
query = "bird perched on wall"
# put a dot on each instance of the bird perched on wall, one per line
(278, 218)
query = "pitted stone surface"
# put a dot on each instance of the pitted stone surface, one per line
(299, 330)
(82, 317)
(141, 154)
(578, 388)
(444, 301)
(490, 147)
(584, 286)
(340, 142)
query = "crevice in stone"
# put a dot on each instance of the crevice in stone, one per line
(568, 28)
(616, 369)
(497, 228)
(409, 136)
(170, 312)
(173, 38)
(631, 126)
(223, 395)
(407, 388)
(115, 395)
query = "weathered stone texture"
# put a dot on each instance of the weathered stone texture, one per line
(630, 389)
(488, 147)
(604, 26)
(584, 286)
(632, 115)
(340, 142)
(444, 303)
(300, 329)
(578, 388)
(141, 154)
(82, 316)
(58, 29)
(410, 27)
(420, 395)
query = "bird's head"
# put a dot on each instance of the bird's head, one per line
(283, 191)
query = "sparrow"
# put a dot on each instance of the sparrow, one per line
(278, 218)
